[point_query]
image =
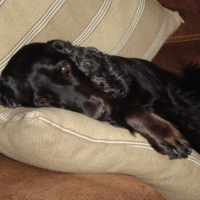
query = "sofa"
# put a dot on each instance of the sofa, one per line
(20, 178)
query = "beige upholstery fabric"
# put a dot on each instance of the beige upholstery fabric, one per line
(134, 28)
(65, 141)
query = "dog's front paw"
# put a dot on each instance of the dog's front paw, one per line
(9, 101)
(178, 149)
(173, 144)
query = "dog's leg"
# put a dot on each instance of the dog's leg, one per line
(162, 136)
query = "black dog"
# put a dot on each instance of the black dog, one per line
(127, 92)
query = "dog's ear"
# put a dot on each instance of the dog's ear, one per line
(75, 53)
(62, 46)
(7, 95)
(106, 75)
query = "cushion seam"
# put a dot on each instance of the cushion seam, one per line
(104, 141)
(78, 135)
(179, 41)
(184, 36)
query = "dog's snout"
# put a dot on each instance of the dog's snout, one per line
(103, 104)
(97, 107)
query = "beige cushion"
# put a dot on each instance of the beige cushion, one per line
(131, 28)
(65, 141)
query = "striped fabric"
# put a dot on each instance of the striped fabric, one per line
(134, 28)
(131, 28)
(158, 37)
(1, 2)
(94, 22)
(33, 31)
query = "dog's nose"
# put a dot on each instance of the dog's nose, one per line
(97, 108)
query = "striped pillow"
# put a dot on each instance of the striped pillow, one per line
(131, 28)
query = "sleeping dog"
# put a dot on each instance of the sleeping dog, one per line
(126, 92)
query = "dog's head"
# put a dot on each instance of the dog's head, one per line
(45, 74)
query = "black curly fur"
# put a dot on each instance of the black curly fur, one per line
(126, 92)
(105, 74)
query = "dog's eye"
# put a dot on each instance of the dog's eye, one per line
(43, 100)
(65, 69)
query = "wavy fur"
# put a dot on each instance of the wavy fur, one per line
(108, 76)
